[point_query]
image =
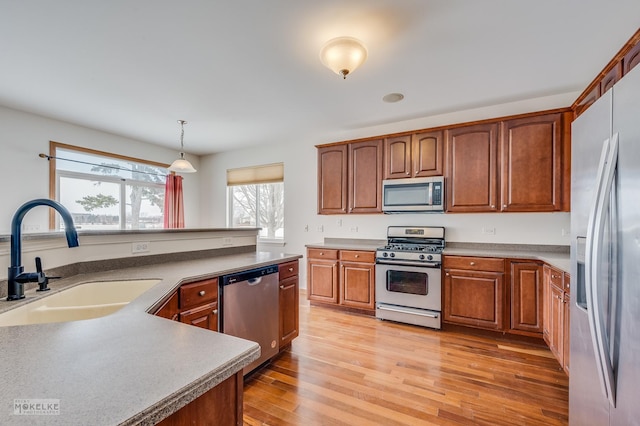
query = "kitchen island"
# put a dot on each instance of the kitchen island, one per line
(129, 367)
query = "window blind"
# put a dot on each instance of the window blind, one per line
(268, 173)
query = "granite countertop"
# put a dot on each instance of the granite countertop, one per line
(129, 367)
(556, 256)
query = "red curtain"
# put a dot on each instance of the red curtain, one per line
(173, 204)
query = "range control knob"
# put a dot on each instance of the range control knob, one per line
(421, 257)
(429, 257)
(385, 254)
(392, 255)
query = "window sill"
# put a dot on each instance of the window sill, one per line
(271, 243)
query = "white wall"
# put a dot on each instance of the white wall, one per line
(303, 224)
(23, 136)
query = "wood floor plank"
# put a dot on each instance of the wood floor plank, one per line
(351, 369)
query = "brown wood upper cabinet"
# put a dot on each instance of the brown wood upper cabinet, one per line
(472, 168)
(416, 155)
(532, 152)
(332, 179)
(350, 178)
(531, 165)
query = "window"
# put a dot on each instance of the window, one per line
(256, 200)
(106, 191)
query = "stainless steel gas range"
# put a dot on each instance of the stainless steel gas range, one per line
(409, 275)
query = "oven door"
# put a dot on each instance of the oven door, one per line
(409, 294)
(409, 285)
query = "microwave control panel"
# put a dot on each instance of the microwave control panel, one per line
(437, 194)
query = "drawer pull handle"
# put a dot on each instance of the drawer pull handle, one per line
(214, 312)
(202, 293)
(472, 263)
(290, 269)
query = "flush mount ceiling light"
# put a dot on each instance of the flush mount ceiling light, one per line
(343, 55)
(181, 165)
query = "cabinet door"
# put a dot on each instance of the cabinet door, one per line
(532, 167)
(526, 297)
(365, 177)
(546, 305)
(472, 169)
(397, 157)
(566, 332)
(357, 284)
(427, 154)
(556, 319)
(474, 299)
(332, 179)
(169, 309)
(322, 281)
(204, 316)
(289, 308)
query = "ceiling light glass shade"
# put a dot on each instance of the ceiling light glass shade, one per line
(181, 165)
(343, 55)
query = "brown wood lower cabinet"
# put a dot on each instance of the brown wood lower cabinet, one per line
(221, 405)
(289, 302)
(556, 314)
(526, 297)
(342, 278)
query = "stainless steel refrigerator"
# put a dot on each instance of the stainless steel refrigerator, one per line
(604, 382)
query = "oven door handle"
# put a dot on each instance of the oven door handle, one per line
(428, 315)
(409, 263)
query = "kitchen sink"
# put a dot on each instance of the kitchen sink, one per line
(84, 301)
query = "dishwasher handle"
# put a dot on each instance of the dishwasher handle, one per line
(253, 276)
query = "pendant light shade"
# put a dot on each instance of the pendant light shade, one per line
(343, 55)
(181, 165)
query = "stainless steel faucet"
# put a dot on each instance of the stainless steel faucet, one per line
(16, 276)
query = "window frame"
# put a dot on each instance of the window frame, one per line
(54, 174)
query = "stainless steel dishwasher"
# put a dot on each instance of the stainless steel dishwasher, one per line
(250, 302)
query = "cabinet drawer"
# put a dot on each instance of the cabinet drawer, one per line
(198, 293)
(286, 270)
(204, 316)
(487, 264)
(556, 278)
(358, 256)
(322, 254)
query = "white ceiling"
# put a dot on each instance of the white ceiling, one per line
(246, 72)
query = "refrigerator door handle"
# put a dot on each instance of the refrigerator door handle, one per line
(594, 261)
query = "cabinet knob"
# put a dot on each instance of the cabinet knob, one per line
(493, 206)
(202, 293)
(214, 312)
(357, 256)
(447, 274)
(504, 206)
(290, 269)
(408, 173)
(472, 263)
(321, 253)
(282, 287)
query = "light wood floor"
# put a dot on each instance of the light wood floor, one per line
(349, 369)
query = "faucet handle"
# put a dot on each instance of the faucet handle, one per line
(43, 280)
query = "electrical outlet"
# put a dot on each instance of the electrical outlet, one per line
(140, 247)
(489, 230)
(306, 228)
(320, 228)
(339, 222)
(30, 228)
(565, 232)
(354, 229)
(227, 241)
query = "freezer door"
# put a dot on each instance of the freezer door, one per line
(626, 122)
(587, 403)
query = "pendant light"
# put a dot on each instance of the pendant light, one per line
(343, 55)
(181, 165)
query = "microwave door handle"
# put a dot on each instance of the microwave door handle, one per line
(430, 194)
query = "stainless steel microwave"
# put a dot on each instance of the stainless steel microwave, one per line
(413, 195)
